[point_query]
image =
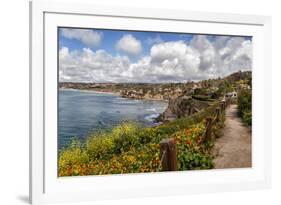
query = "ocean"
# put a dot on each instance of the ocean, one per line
(84, 112)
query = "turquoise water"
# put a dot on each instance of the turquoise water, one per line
(83, 112)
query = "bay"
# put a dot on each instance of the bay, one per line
(85, 112)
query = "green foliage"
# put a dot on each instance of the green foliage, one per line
(245, 106)
(195, 160)
(192, 153)
(200, 91)
(73, 155)
(201, 97)
(225, 87)
(247, 117)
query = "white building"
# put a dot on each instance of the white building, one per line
(231, 95)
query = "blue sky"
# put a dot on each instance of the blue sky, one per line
(97, 53)
(110, 37)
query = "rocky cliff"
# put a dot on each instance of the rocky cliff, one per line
(183, 106)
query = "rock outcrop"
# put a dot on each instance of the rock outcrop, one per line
(183, 106)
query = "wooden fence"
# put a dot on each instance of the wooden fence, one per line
(168, 151)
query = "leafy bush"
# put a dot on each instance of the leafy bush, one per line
(200, 91)
(201, 97)
(245, 106)
(72, 156)
(192, 153)
(247, 117)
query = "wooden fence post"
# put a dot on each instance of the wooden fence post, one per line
(208, 129)
(190, 110)
(168, 154)
(218, 113)
(222, 106)
(227, 102)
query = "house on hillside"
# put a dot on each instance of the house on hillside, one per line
(231, 95)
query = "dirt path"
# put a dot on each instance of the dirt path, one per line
(234, 148)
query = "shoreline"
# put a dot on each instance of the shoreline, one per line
(113, 93)
(91, 91)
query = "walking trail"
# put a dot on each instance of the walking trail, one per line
(234, 148)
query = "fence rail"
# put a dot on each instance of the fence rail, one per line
(168, 152)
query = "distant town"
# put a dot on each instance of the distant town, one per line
(163, 91)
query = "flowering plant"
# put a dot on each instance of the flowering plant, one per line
(192, 153)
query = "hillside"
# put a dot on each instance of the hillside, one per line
(167, 91)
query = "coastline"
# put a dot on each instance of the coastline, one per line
(113, 93)
(92, 91)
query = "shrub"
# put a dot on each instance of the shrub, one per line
(71, 159)
(120, 138)
(247, 117)
(192, 153)
(124, 136)
(200, 91)
(245, 106)
(201, 97)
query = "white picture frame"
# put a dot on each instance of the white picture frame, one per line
(46, 187)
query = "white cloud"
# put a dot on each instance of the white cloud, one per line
(89, 66)
(172, 61)
(154, 40)
(129, 45)
(88, 37)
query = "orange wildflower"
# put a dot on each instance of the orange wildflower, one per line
(188, 142)
(187, 132)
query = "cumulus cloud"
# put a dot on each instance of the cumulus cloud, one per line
(90, 66)
(88, 37)
(129, 45)
(154, 40)
(174, 61)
